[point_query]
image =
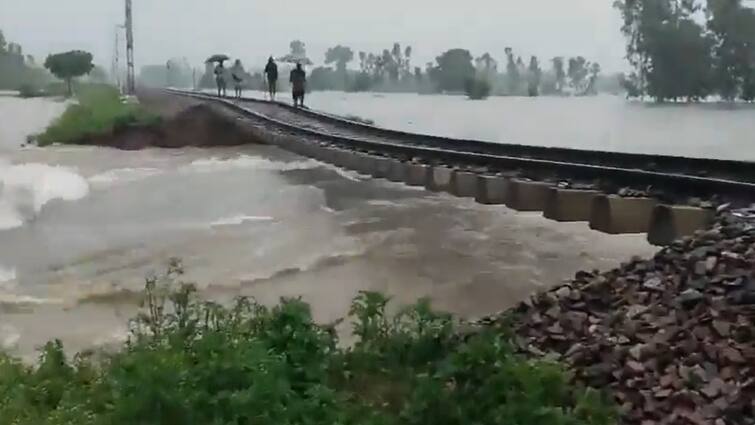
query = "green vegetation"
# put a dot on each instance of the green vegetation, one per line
(69, 65)
(192, 362)
(18, 70)
(675, 56)
(477, 88)
(454, 71)
(99, 111)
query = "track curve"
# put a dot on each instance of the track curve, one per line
(674, 177)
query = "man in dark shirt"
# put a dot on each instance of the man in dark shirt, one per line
(220, 79)
(271, 70)
(298, 81)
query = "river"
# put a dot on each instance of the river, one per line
(81, 227)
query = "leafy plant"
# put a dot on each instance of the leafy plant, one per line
(477, 89)
(194, 362)
(69, 65)
(99, 111)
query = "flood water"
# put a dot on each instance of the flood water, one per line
(608, 123)
(80, 228)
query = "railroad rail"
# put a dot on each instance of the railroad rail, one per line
(669, 177)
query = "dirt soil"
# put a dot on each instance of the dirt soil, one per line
(185, 122)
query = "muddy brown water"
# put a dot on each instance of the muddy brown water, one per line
(80, 227)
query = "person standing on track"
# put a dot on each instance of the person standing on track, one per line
(237, 85)
(271, 71)
(220, 79)
(298, 81)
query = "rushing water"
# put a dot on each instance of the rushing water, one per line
(80, 227)
(609, 123)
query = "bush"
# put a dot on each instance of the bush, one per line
(99, 111)
(194, 362)
(27, 91)
(477, 88)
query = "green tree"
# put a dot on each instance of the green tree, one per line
(395, 63)
(3, 43)
(298, 49)
(487, 66)
(559, 73)
(671, 53)
(680, 61)
(592, 88)
(383, 65)
(631, 85)
(407, 65)
(577, 72)
(453, 70)
(512, 72)
(69, 65)
(341, 56)
(535, 75)
(363, 62)
(733, 28)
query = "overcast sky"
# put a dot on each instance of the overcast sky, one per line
(253, 29)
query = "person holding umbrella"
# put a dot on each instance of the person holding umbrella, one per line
(298, 77)
(219, 72)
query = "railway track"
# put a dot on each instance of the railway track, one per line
(673, 179)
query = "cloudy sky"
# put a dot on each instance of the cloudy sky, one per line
(254, 29)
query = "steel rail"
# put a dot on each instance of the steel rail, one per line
(705, 167)
(669, 182)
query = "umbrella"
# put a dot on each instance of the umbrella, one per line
(295, 59)
(217, 58)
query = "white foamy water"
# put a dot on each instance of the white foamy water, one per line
(26, 188)
(248, 162)
(235, 220)
(122, 176)
(7, 274)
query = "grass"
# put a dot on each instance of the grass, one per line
(193, 362)
(99, 111)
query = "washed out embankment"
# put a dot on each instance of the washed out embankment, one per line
(168, 122)
(197, 125)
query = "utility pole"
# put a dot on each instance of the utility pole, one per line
(117, 57)
(129, 50)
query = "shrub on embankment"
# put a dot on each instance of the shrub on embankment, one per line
(193, 362)
(99, 111)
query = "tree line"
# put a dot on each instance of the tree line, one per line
(22, 72)
(17, 69)
(689, 49)
(393, 70)
(454, 71)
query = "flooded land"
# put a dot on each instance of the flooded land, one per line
(81, 227)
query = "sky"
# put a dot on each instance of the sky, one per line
(252, 30)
